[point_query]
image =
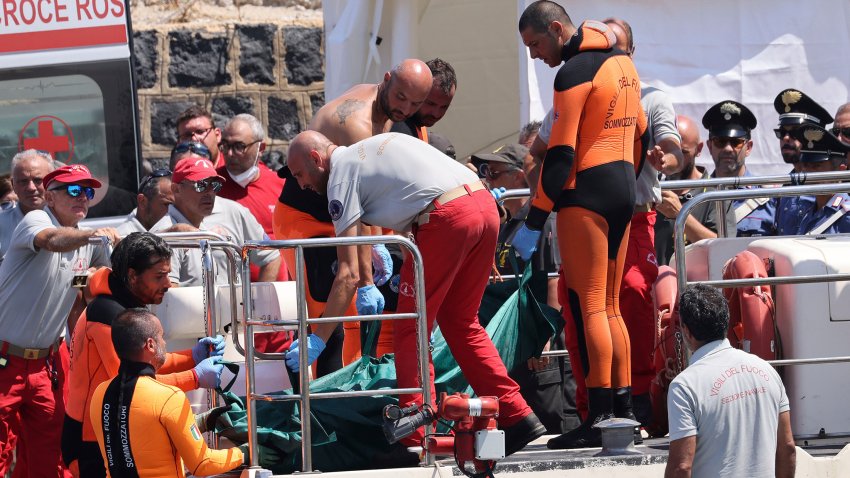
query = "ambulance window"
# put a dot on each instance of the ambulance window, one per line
(83, 113)
(62, 115)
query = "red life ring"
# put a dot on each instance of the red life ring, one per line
(752, 321)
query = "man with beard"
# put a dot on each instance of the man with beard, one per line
(139, 277)
(841, 128)
(795, 111)
(435, 105)
(729, 125)
(701, 222)
(359, 113)
(145, 427)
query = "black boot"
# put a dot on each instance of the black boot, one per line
(623, 409)
(600, 405)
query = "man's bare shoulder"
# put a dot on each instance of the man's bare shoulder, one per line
(348, 118)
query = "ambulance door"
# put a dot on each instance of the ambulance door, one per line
(67, 88)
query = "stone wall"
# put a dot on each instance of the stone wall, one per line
(272, 70)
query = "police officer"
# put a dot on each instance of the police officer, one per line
(795, 110)
(729, 126)
(820, 152)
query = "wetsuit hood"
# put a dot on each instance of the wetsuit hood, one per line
(590, 35)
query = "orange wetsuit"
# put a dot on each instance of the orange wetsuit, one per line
(588, 176)
(93, 361)
(147, 428)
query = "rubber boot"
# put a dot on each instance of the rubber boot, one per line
(623, 409)
(600, 407)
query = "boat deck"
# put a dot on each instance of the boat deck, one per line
(827, 457)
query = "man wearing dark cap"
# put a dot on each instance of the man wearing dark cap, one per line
(48, 254)
(729, 126)
(820, 152)
(795, 110)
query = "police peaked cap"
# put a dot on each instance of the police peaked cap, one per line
(795, 108)
(729, 119)
(817, 144)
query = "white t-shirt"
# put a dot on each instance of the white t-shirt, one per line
(35, 284)
(228, 219)
(661, 121)
(9, 220)
(731, 401)
(388, 179)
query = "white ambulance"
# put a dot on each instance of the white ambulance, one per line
(67, 87)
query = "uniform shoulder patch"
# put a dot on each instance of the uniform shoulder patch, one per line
(335, 209)
(196, 434)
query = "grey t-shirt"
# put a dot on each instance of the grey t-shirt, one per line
(35, 284)
(661, 122)
(9, 220)
(731, 401)
(130, 225)
(228, 219)
(388, 179)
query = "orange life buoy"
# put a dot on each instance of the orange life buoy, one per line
(752, 324)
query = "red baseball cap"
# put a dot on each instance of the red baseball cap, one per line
(71, 174)
(194, 169)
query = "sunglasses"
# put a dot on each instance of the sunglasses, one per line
(204, 184)
(845, 131)
(191, 146)
(237, 147)
(783, 132)
(721, 142)
(75, 190)
(156, 173)
(486, 171)
(190, 135)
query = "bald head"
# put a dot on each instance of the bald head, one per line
(308, 159)
(29, 168)
(405, 88)
(691, 145)
(623, 31)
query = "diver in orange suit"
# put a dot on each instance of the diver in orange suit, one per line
(588, 176)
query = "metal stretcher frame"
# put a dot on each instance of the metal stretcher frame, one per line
(727, 195)
(303, 321)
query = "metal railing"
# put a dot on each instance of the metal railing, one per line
(304, 396)
(726, 195)
(792, 179)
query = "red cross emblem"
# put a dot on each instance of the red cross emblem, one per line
(49, 134)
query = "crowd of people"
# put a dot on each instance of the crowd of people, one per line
(597, 220)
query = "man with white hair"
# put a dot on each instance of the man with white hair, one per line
(249, 182)
(28, 170)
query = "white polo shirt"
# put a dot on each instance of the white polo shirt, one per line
(388, 179)
(35, 284)
(9, 220)
(228, 219)
(731, 401)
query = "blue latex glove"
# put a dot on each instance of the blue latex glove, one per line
(382, 264)
(209, 372)
(315, 345)
(497, 193)
(525, 242)
(370, 301)
(208, 347)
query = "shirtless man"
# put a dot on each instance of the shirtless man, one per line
(359, 113)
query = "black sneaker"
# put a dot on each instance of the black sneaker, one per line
(522, 433)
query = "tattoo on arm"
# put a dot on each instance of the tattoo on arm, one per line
(347, 107)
